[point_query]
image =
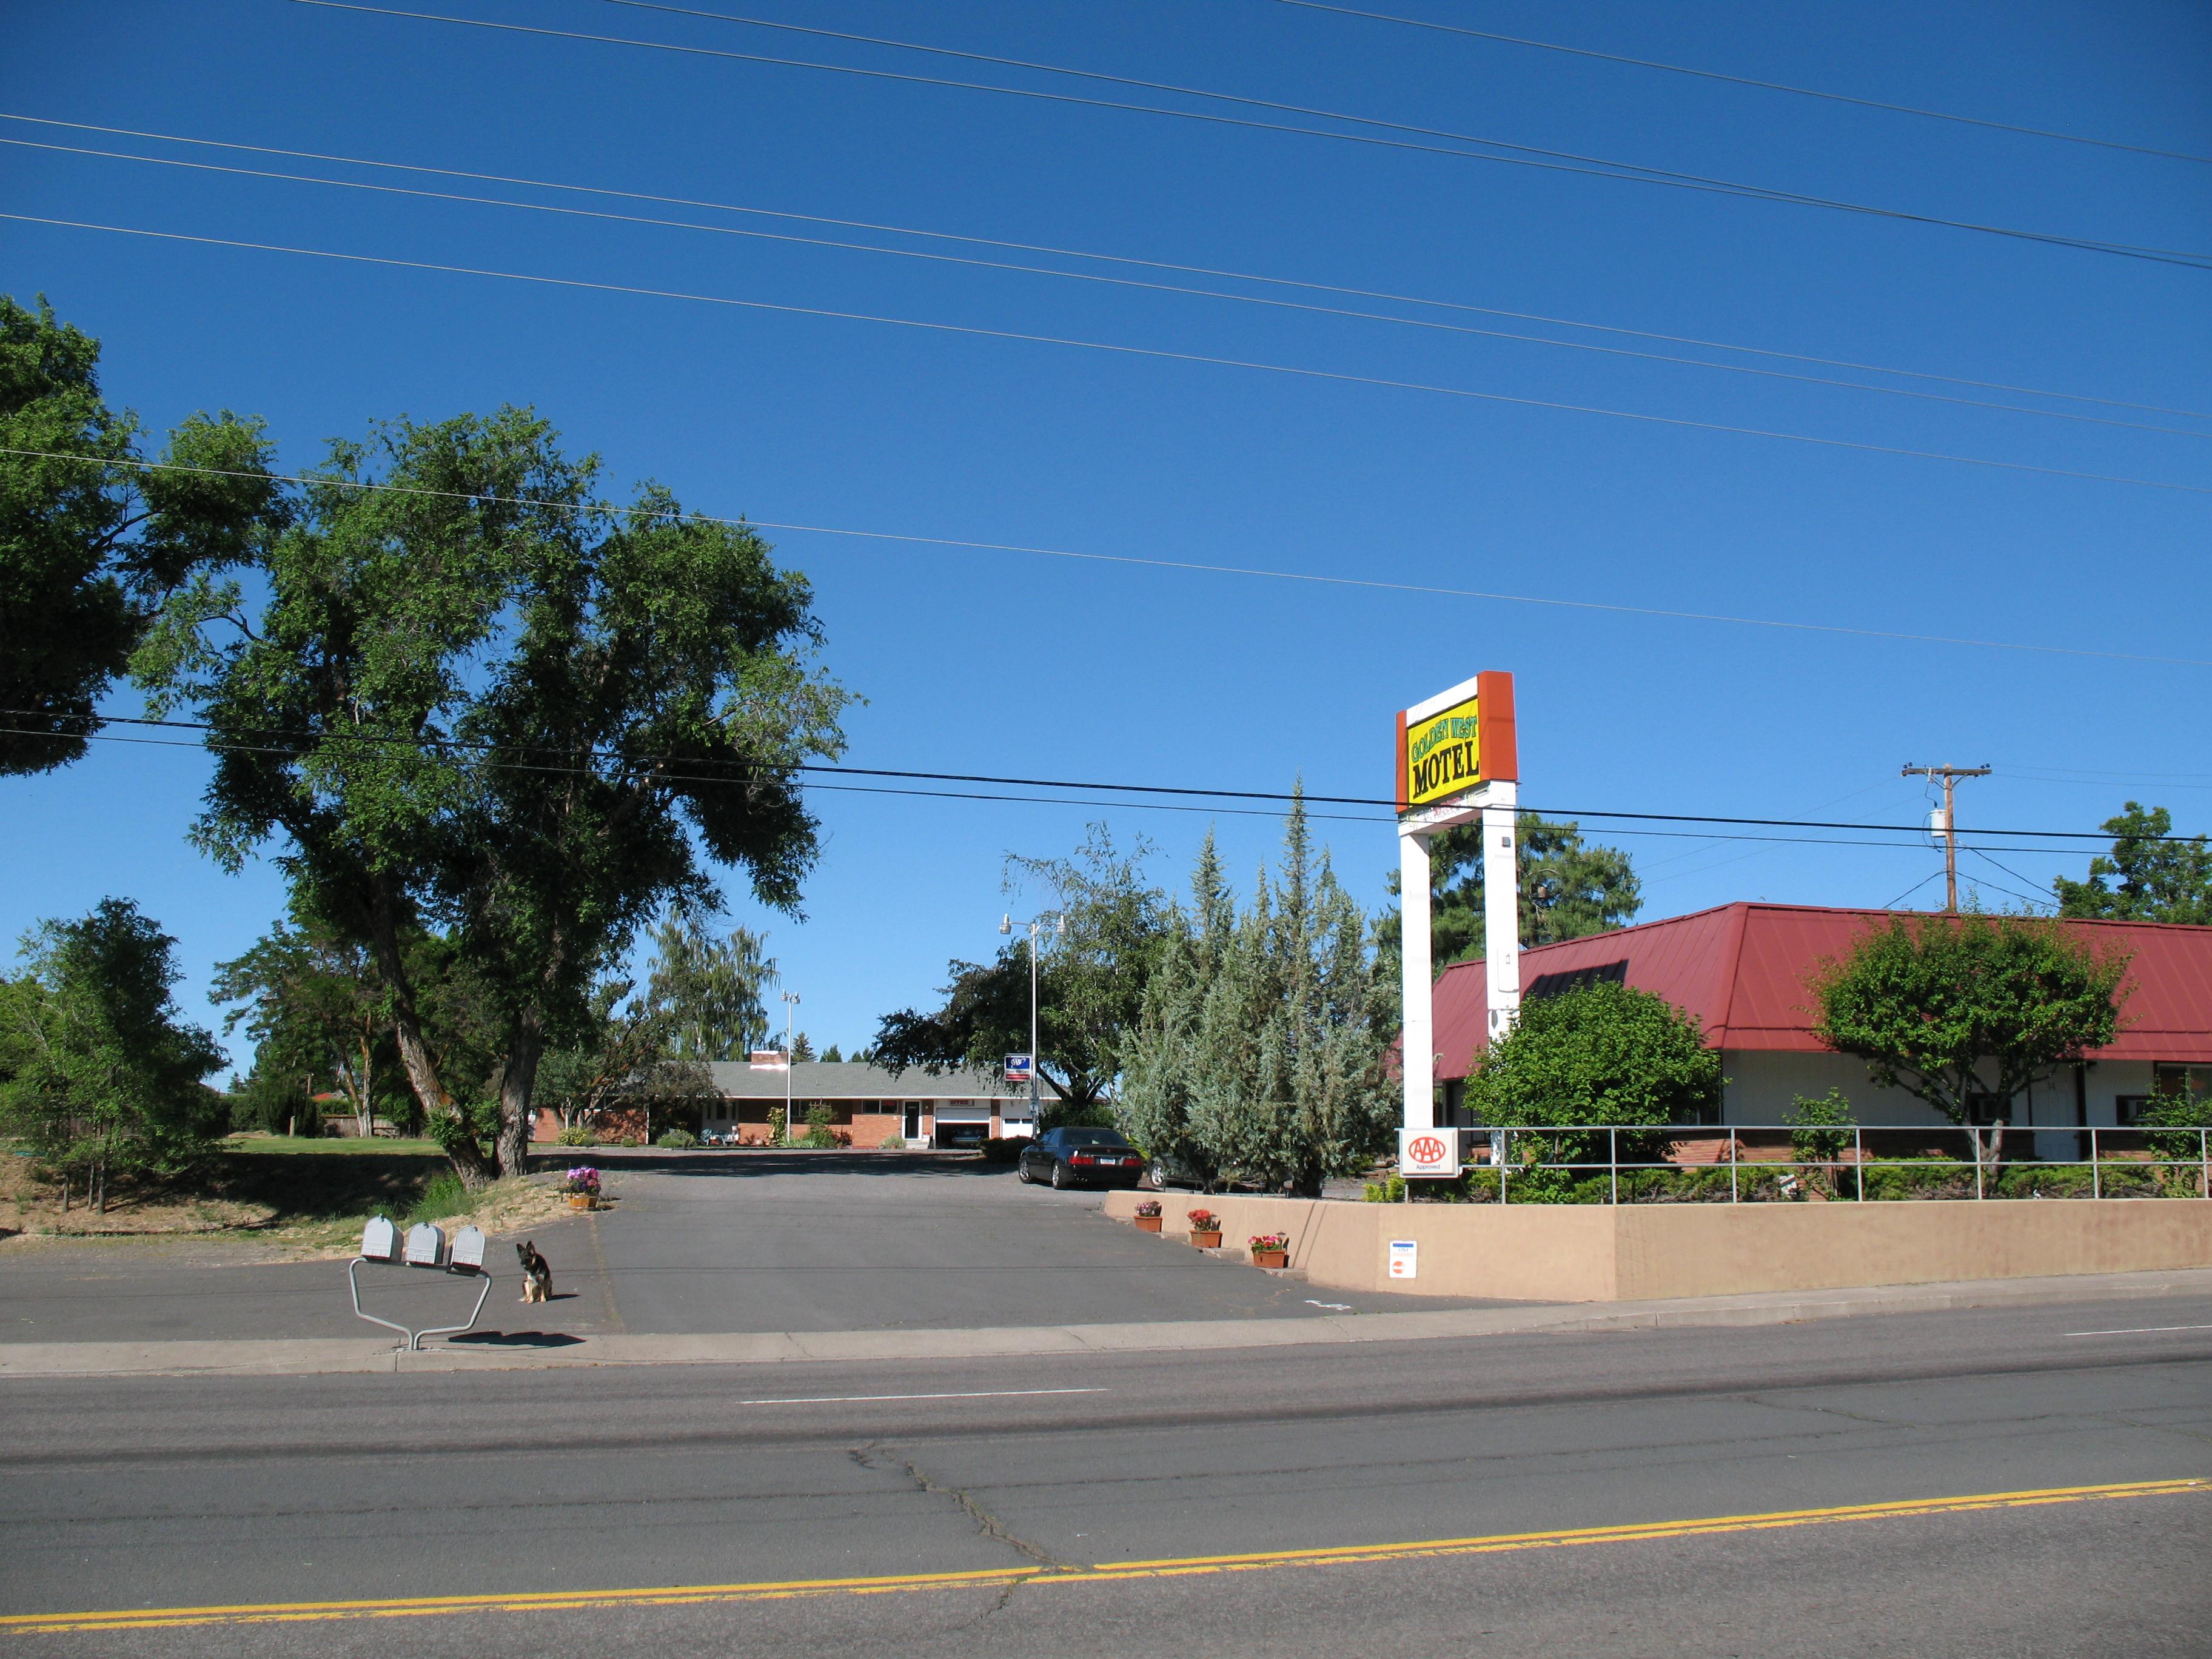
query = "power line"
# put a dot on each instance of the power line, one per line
(1911, 890)
(1120, 259)
(1188, 565)
(1124, 804)
(2009, 871)
(747, 767)
(1208, 359)
(1096, 277)
(1746, 81)
(1526, 155)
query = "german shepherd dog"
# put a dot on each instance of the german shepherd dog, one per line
(537, 1274)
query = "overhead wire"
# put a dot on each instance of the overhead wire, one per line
(1748, 80)
(1911, 890)
(1142, 562)
(1528, 155)
(2014, 873)
(1097, 277)
(1217, 272)
(1205, 359)
(742, 769)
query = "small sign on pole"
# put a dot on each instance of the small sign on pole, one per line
(1405, 1258)
(1019, 1067)
(1429, 1154)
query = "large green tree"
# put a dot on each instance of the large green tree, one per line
(2161, 876)
(478, 700)
(1566, 889)
(1090, 979)
(1961, 1011)
(89, 542)
(1259, 1051)
(98, 1073)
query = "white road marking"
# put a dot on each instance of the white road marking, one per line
(858, 1399)
(2141, 1330)
(1334, 1307)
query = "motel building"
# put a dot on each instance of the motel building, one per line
(1742, 970)
(868, 1102)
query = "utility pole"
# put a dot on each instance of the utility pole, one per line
(1950, 775)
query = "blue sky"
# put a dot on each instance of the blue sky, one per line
(1023, 663)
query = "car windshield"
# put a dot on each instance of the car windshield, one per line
(1091, 1138)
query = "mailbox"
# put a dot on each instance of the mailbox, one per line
(426, 1246)
(379, 1240)
(468, 1251)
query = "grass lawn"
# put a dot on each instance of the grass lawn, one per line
(329, 1146)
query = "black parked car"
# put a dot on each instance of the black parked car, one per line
(1082, 1158)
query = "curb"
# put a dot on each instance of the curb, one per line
(324, 1357)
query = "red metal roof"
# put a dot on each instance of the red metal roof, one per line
(1741, 968)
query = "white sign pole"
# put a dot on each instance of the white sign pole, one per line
(1418, 1051)
(1501, 905)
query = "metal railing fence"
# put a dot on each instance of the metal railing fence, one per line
(2120, 1170)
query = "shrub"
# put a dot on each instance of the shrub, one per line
(819, 1135)
(1004, 1151)
(575, 1136)
(1598, 1055)
(677, 1140)
(443, 1196)
(1819, 1129)
(892, 1143)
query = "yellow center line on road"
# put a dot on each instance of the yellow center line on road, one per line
(1111, 1572)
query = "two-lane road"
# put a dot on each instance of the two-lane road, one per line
(1850, 1486)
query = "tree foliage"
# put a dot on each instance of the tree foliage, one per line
(1566, 889)
(1259, 1051)
(89, 543)
(1953, 1009)
(1090, 979)
(2158, 880)
(1594, 1056)
(712, 988)
(98, 1073)
(479, 703)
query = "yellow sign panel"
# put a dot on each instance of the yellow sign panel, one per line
(1444, 755)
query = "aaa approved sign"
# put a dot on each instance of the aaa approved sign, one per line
(1433, 1153)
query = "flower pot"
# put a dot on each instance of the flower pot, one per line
(1271, 1258)
(1206, 1241)
(1148, 1223)
(583, 1201)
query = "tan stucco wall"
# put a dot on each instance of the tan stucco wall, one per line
(1595, 1253)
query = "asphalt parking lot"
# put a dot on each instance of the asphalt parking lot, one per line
(702, 1242)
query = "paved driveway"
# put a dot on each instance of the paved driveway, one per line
(704, 1243)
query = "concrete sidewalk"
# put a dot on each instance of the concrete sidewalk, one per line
(329, 1356)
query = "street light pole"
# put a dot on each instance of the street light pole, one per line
(1059, 931)
(790, 1001)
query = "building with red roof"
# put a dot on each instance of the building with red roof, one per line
(1741, 970)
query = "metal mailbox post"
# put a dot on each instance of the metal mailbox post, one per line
(424, 1247)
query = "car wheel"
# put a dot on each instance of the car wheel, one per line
(1061, 1180)
(1159, 1174)
(1022, 1171)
